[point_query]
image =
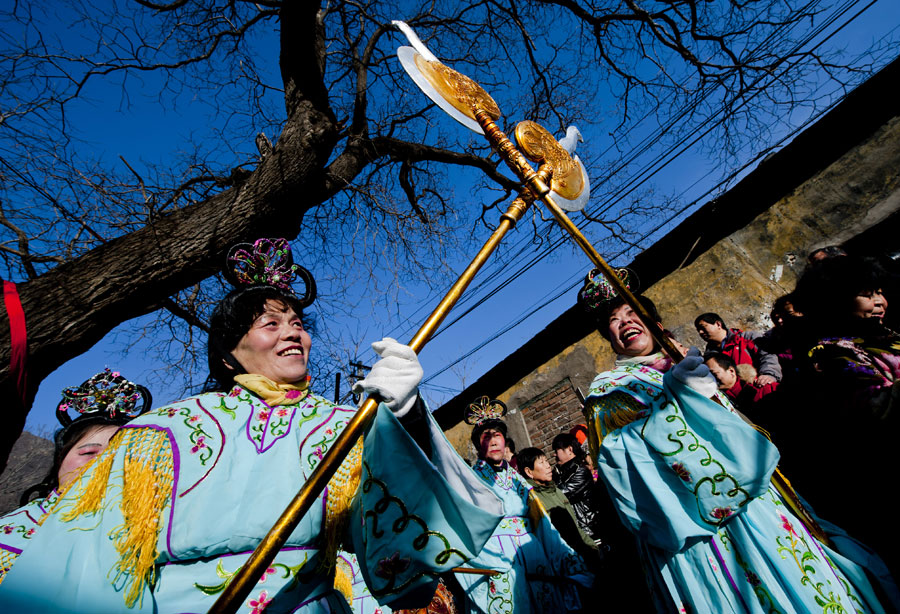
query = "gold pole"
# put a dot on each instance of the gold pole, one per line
(537, 184)
(248, 575)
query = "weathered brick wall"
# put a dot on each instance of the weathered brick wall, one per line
(555, 411)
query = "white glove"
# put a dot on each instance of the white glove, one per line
(395, 378)
(694, 374)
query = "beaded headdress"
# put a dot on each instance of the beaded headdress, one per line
(268, 262)
(597, 290)
(105, 394)
(484, 409)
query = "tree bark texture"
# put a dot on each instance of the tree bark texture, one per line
(71, 307)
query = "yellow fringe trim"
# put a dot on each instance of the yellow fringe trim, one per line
(88, 498)
(146, 491)
(612, 412)
(342, 581)
(341, 488)
(147, 475)
(7, 559)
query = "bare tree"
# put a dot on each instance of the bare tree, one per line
(359, 155)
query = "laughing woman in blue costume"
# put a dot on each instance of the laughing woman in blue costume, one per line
(692, 481)
(163, 519)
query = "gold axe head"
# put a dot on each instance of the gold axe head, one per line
(569, 182)
(455, 93)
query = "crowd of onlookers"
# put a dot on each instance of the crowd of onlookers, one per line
(823, 382)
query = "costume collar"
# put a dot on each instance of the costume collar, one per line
(657, 360)
(272, 393)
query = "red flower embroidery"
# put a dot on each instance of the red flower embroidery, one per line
(259, 604)
(194, 418)
(268, 572)
(201, 444)
(721, 513)
(787, 524)
(682, 472)
(262, 415)
(281, 413)
(390, 566)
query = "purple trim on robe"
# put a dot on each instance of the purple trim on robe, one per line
(728, 573)
(9, 548)
(25, 511)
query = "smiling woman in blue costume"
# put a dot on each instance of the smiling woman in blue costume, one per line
(537, 570)
(103, 403)
(692, 481)
(164, 518)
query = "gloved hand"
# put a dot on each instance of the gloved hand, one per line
(395, 378)
(692, 372)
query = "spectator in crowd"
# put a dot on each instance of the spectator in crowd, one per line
(535, 466)
(739, 345)
(692, 481)
(509, 455)
(786, 324)
(847, 412)
(580, 432)
(575, 480)
(824, 253)
(743, 391)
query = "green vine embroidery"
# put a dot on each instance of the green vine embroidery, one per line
(226, 576)
(798, 549)
(717, 483)
(321, 446)
(239, 396)
(499, 595)
(398, 526)
(198, 437)
(762, 594)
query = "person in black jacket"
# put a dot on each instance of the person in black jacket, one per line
(575, 480)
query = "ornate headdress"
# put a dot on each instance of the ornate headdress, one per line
(483, 409)
(106, 394)
(597, 291)
(484, 413)
(268, 262)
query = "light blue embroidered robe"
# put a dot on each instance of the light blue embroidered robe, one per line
(692, 481)
(237, 463)
(525, 548)
(18, 527)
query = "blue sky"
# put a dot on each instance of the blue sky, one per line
(144, 131)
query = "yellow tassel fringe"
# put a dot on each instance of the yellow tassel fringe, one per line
(342, 580)
(341, 489)
(147, 475)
